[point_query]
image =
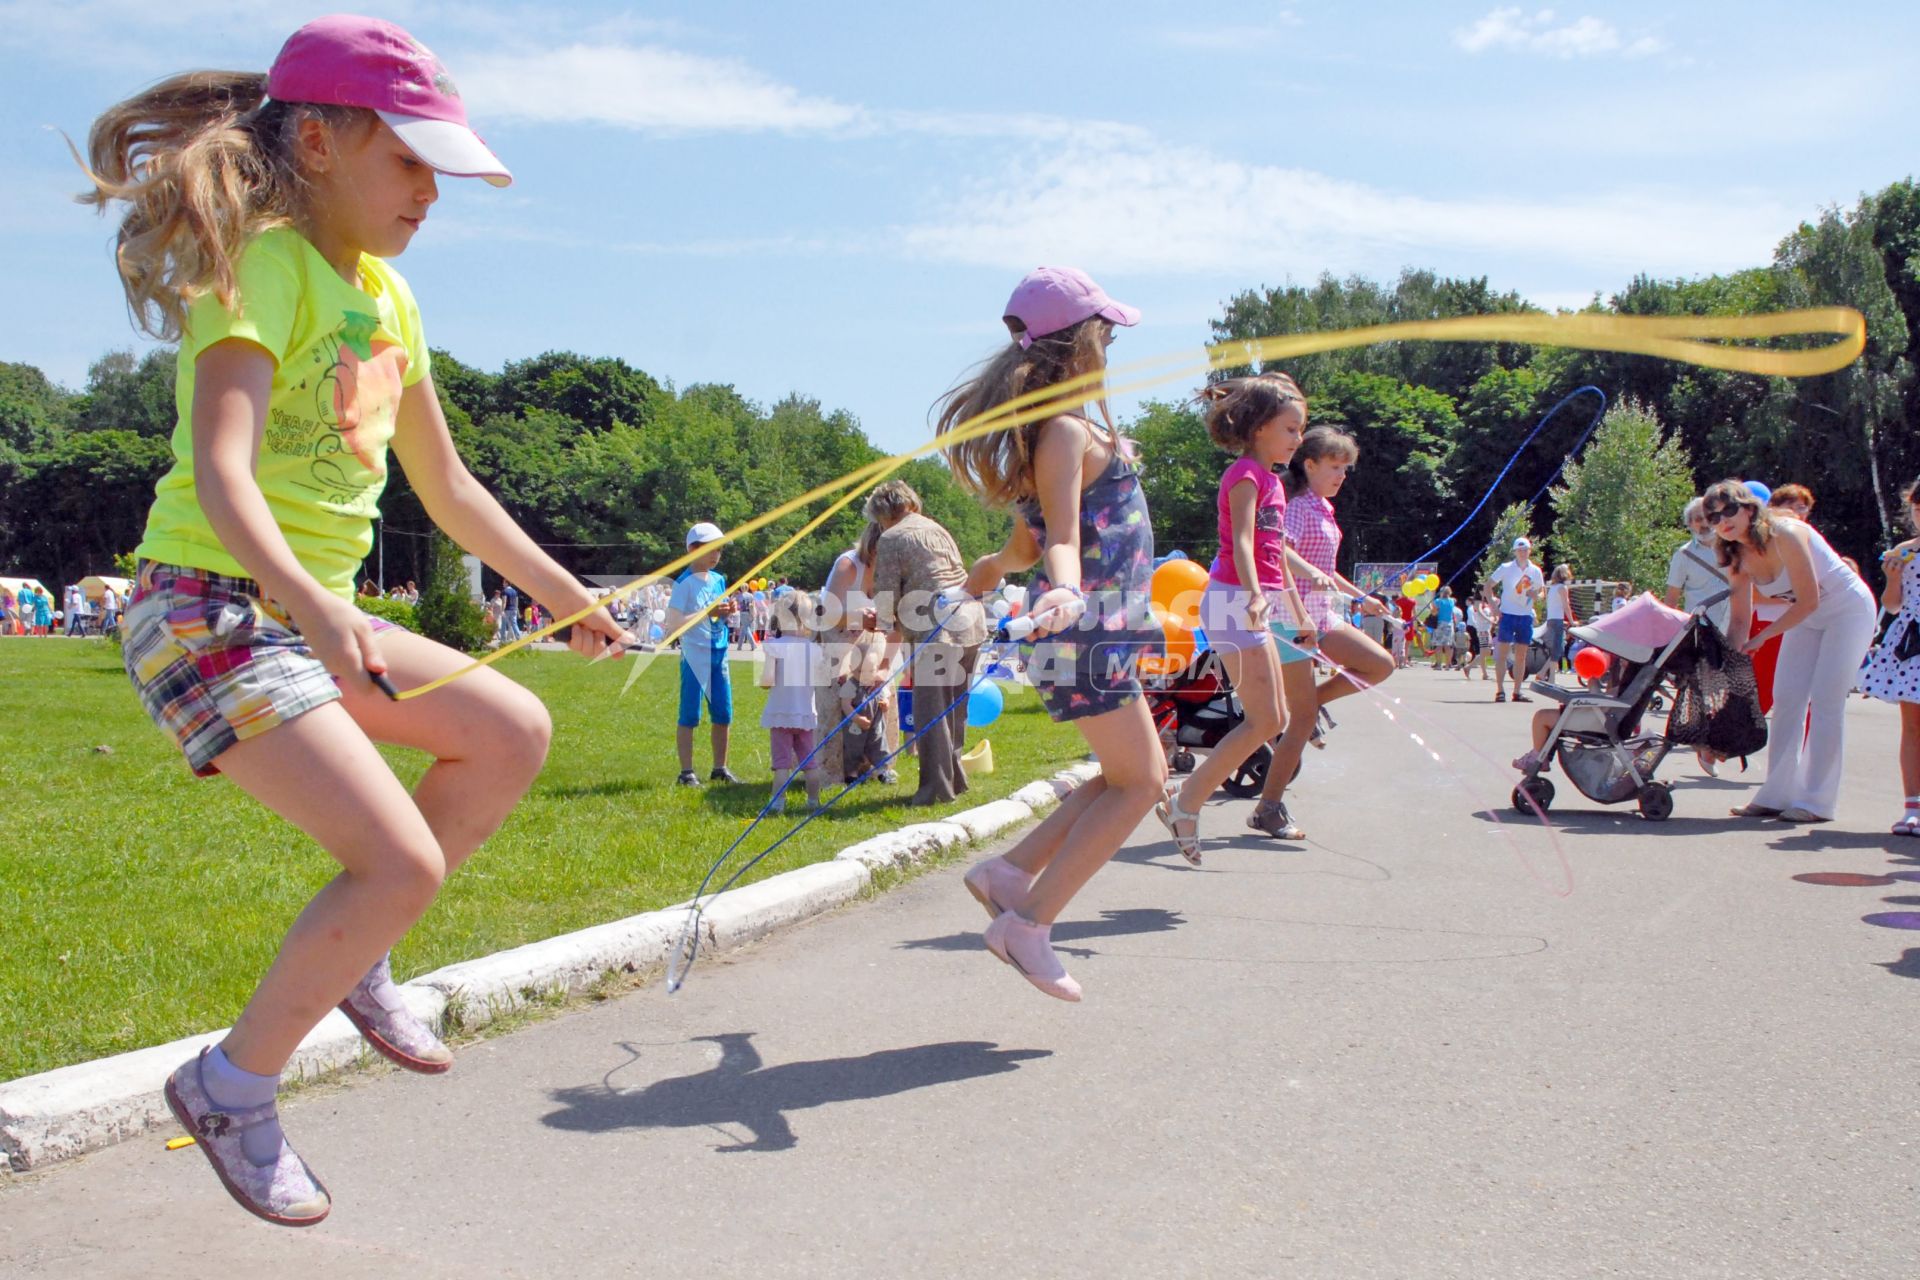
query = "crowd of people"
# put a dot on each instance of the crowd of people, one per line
(32, 611)
(282, 267)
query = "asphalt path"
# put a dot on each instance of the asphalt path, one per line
(1423, 1044)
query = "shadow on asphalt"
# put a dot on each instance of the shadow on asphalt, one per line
(1163, 855)
(742, 1091)
(1818, 839)
(1112, 924)
(1907, 966)
(1604, 821)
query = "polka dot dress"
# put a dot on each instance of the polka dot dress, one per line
(1885, 677)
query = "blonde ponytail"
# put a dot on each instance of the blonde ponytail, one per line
(204, 162)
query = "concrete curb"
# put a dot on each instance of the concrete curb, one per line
(92, 1105)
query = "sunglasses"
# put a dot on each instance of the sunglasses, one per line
(1715, 515)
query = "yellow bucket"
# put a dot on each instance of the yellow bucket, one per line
(979, 761)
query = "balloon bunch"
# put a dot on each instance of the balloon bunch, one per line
(1419, 588)
(1175, 593)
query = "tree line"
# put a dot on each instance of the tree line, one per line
(607, 465)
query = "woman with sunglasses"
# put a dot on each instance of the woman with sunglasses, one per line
(1826, 629)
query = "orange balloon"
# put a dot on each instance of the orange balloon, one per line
(1179, 652)
(1177, 587)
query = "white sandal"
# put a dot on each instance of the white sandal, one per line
(1909, 824)
(1171, 815)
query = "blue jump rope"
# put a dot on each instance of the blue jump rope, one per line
(688, 948)
(1540, 426)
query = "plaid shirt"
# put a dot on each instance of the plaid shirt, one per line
(1315, 534)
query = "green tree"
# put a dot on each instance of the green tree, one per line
(595, 391)
(130, 393)
(32, 409)
(446, 611)
(1617, 510)
(1180, 468)
(1516, 521)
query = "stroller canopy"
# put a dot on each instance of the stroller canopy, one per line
(1637, 631)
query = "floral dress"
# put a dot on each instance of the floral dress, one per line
(1092, 667)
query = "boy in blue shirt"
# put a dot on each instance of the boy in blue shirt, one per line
(700, 592)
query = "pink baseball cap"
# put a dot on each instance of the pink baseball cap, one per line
(350, 61)
(1050, 299)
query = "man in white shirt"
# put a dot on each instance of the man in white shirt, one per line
(1694, 576)
(1519, 580)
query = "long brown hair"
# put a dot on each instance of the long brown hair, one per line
(997, 466)
(204, 162)
(1735, 493)
(1238, 407)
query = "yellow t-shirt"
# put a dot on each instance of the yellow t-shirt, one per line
(343, 357)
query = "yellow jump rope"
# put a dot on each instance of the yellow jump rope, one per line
(1698, 340)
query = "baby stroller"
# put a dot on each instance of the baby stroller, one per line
(1193, 709)
(1597, 737)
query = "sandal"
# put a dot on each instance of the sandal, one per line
(1499, 695)
(1171, 815)
(1274, 819)
(1754, 811)
(1909, 824)
(1801, 815)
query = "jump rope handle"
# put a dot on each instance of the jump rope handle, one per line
(383, 684)
(1023, 626)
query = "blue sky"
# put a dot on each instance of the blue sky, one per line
(836, 199)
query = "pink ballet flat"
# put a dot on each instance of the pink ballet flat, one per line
(1027, 947)
(998, 885)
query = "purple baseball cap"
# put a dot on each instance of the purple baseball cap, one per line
(1050, 299)
(350, 61)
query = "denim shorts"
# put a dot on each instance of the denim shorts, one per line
(1515, 628)
(215, 661)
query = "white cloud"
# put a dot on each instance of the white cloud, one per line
(1584, 37)
(641, 87)
(1232, 37)
(1155, 208)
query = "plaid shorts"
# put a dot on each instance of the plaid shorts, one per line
(215, 661)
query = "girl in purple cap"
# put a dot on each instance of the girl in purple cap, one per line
(1083, 519)
(260, 212)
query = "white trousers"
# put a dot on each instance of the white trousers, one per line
(1819, 661)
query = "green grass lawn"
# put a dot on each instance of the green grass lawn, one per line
(138, 904)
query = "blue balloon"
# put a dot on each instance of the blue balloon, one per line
(1758, 490)
(657, 632)
(984, 702)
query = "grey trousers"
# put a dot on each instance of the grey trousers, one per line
(941, 674)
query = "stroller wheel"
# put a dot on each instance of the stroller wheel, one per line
(1251, 775)
(1656, 802)
(1182, 761)
(1533, 791)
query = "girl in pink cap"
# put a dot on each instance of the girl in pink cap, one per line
(260, 212)
(1082, 517)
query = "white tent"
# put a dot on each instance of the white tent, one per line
(95, 585)
(14, 584)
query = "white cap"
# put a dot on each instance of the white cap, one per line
(1519, 543)
(704, 532)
